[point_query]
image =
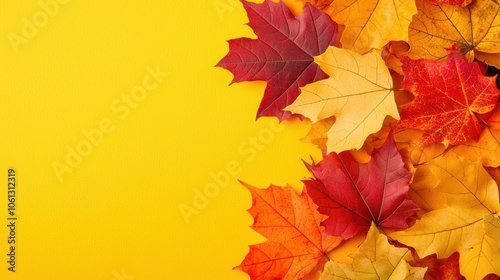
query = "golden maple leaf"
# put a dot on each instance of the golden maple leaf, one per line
(359, 93)
(437, 27)
(371, 24)
(375, 259)
(469, 225)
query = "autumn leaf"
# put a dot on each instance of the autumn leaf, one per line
(470, 225)
(375, 259)
(283, 53)
(359, 110)
(295, 244)
(437, 27)
(448, 96)
(371, 24)
(447, 230)
(353, 194)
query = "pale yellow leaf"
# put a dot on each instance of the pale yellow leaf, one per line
(466, 225)
(359, 94)
(375, 259)
(466, 184)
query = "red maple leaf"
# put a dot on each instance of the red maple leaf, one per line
(448, 97)
(353, 194)
(295, 244)
(283, 53)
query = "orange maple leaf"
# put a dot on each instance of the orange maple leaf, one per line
(437, 27)
(295, 244)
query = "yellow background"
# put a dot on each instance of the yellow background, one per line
(116, 215)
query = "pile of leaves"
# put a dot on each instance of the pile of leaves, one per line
(403, 106)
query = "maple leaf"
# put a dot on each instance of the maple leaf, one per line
(371, 24)
(283, 53)
(353, 194)
(291, 224)
(448, 95)
(436, 27)
(359, 110)
(375, 259)
(470, 224)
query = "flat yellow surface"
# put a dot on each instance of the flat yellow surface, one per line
(116, 123)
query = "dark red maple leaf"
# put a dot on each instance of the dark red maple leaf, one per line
(449, 97)
(283, 53)
(295, 244)
(353, 194)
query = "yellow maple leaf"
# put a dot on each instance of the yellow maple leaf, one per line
(359, 93)
(437, 27)
(469, 225)
(375, 259)
(371, 24)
